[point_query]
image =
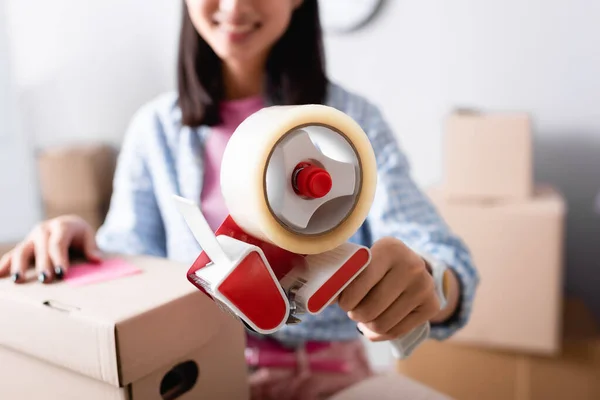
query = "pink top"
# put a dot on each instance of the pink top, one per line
(232, 113)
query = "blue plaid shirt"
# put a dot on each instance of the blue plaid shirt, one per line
(161, 157)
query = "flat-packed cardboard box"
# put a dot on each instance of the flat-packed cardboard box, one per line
(518, 248)
(77, 176)
(488, 156)
(147, 336)
(473, 373)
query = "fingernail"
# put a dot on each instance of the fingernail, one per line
(359, 331)
(59, 273)
(15, 277)
(42, 277)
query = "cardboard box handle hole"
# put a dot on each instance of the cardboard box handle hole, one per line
(56, 305)
(179, 380)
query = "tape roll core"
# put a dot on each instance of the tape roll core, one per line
(337, 209)
(245, 175)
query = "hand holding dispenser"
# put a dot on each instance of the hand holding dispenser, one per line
(298, 182)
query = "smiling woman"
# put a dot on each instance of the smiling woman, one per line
(239, 52)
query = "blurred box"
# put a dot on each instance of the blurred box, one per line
(5, 248)
(488, 156)
(518, 251)
(389, 387)
(77, 177)
(473, 373)
(147, 336)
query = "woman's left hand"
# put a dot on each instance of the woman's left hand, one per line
(393, 295)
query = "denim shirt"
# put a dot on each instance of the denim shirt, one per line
(160, 157)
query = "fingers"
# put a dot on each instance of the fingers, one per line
(400, 309)
(43, 264)
(380, 330)
(5, 264)
(59, 241)
(379, 298)
(411, 322)
(356, 291)
(49, 243)
(21, 259)
(415, 305)
(66, 233)
(90, 248)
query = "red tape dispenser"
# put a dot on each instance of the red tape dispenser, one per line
(298, 182)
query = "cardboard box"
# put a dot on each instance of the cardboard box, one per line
(488, 156)
(389, 387)
(129, 338)
(5, 248)
(518, 251)
(471, 373)
(77, 177)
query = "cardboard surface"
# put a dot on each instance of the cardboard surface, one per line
(468, 372)
(77, 177)
(214, 371)
(389, 387)
(517, 248)
(5, 248)
(222, 372)
(26, 378)
(99, 330)
(465, 373)
(488, 156)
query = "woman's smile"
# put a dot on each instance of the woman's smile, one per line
(237, 32)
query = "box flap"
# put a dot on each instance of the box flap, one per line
(53, 382)
(114, 331)
(545, 199)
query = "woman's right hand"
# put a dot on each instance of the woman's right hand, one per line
(49, 244)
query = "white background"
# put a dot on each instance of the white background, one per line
(81, 68)
(18, 190)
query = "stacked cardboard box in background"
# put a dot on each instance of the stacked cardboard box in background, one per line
(517, 248)
(469, 372)
(488, 156)
(5, 248)
(77, 179)
(514, 228)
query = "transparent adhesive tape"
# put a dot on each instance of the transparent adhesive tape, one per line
(253, 186)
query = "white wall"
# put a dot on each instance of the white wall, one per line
(83, 67)
(419, 59)
(79, 69)
(18, 192)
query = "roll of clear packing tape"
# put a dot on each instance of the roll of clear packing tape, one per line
(300, 177)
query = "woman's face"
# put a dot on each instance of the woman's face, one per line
(241, 30)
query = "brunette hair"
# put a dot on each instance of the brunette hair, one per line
(295, 68)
